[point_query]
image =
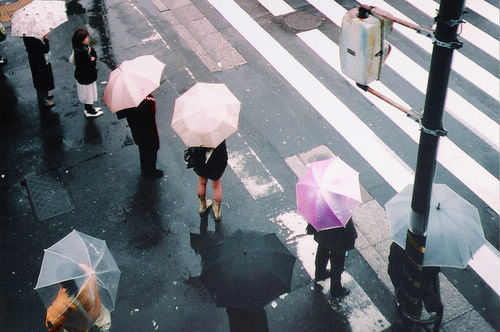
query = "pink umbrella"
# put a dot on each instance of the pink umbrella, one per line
(206, 114)
(328, 193)
(132, 81)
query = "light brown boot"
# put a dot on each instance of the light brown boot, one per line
(217, 208)
(204, 205)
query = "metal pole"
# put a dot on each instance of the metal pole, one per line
(448, 20)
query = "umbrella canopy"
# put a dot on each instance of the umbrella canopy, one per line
(78, 257)
(247, 270)
(327, 193)
(132, 81)
(37, 18)
(454, 231)
(205, 115)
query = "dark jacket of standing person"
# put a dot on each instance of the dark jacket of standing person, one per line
(338, 239)
(41, 70)
(85, 68)
(142, 123)
(215, 165)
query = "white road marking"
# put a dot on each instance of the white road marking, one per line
(467, 30)
(256, 178)
(484, 9)
(277, 7)
(369, 145)
(461, 165)
(480, 124)
(155, 35)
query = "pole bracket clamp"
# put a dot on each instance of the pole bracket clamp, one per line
(433, 132)
(454, 45)
(449, 22)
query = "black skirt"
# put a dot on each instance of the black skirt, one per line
(216, 164)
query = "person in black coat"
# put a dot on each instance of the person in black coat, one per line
(212, 167)
(142, 123)
(332, 246)
(85, 61)
(41, 69)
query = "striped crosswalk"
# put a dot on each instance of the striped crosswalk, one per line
(479, 116)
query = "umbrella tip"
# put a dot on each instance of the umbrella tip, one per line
(438, 206)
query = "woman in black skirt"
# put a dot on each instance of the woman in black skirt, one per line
(213, 168)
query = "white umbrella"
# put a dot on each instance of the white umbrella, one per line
(205, 115)
(454, 231)
(132, 81)
(37, 18)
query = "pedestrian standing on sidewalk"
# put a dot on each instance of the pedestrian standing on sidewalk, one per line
(142, 123)
(210, 164)
(41, 70)
(85, 60)
(333, 245)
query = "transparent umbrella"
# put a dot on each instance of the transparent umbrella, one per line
(454, 231)
(78, 273)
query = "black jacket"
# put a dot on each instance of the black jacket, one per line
(41, 70)
(338, 239)
(85, 69)
(216, 164)
(142, 123)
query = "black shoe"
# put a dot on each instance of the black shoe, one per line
(339, 292)
(155, 174)
(322, 275)
(50, 97)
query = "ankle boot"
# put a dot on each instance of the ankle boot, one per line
(204, 205)
(217, 211)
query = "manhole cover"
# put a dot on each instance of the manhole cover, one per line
(48, 196)
(302, 21)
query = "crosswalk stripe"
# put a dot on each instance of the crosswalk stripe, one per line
(484, 9)
(245, 163)
(480, 124)
(461, 165)
(370, 146)
(461, 64)
(473, 175)
(467, 30)
(277, 7)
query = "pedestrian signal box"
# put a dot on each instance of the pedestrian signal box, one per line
(363, 48)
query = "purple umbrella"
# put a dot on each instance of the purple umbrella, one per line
(327, 193)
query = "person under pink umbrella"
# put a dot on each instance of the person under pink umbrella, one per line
(327, 194)
(142, 123)
(333, 245)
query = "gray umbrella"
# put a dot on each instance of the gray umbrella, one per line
(454, 232)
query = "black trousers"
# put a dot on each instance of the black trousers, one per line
(337, 260)
(148, 158)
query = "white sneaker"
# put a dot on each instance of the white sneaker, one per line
(96, 112)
